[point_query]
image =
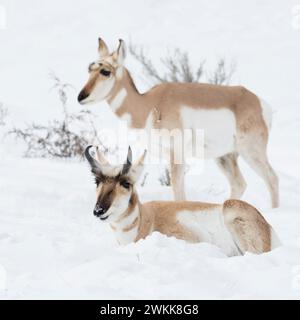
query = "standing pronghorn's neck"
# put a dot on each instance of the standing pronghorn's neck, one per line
(127, 103)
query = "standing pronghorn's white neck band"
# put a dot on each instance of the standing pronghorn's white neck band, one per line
(117, 101)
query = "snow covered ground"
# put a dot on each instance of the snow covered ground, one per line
(51, 246)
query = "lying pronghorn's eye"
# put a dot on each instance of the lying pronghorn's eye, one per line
(104, 72)
(125, 184)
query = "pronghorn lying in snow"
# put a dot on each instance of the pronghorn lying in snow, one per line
(235, 121)
(235, 226)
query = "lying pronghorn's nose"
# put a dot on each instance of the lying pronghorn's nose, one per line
(98, 211)
(82, 95)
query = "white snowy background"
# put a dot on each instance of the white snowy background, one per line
(51, 246)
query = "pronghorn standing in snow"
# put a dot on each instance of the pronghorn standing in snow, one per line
(235, 226)
(234, 120)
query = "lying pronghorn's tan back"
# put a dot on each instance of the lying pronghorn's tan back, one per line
(235, 226)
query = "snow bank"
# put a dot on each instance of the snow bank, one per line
(51, 246)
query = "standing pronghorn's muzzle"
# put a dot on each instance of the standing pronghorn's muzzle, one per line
(82, 96)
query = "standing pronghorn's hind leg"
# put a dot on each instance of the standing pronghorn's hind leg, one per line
(248, 228)
(254, 153)
(229, 166)
(253, 128)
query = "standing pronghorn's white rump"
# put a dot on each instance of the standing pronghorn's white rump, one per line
(234, 120)
(234, 226)
(267, 113)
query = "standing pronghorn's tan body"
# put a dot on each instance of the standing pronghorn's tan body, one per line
(234, 120)
(235, 226)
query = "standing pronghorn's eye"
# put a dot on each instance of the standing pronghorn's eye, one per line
(125, 184)
(104, 72)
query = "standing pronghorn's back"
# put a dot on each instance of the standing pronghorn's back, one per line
(235, 226)
(233, 119)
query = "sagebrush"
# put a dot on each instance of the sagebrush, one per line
(177, 67)
(63, 138)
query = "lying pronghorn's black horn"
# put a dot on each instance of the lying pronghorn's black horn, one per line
(128, 163)
(93, 162)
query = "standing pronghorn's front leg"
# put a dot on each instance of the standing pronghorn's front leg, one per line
(177, 178)
(177, 181)
(229, 165)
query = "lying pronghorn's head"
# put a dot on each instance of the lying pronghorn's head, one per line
(115, 184)
(103, 74)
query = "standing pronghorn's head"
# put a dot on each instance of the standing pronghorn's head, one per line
(103, 73)
(115, 184)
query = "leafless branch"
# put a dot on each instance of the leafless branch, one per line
(60, 138)
(177, 67)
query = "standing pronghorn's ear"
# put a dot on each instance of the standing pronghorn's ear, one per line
(102, 48)
(137, 168)
(120, 54)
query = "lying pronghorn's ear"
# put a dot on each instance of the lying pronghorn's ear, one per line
(137, 168)
(102, 48)
(120, 54)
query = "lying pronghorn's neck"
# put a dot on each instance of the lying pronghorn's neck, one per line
(127, 103)
(134, 223)
(126, 226)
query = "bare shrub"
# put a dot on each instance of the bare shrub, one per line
(3, 114)
(63, 138)
(143, 182)
(177, 67)
(165, 178)
(222, 73)
(55, 139)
